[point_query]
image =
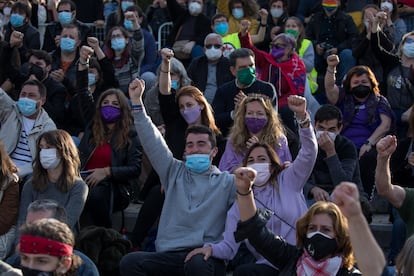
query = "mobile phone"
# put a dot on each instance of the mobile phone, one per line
(84, 174)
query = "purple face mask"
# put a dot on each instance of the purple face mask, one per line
(110, 114)
(191, 115)
(277, 52)
(254, 125)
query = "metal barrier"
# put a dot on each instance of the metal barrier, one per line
(163, 33)
(98, 32)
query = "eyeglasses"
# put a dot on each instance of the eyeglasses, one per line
(216, 46)
(279, 45)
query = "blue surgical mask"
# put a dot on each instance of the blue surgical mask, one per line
(91, 79)
(238, 13)
(221, 28)
(67, 44)
(125, 5)
(27, 106)
(128, 25)
(198, 163)
(16, 20)
(408, 49)
(174, 84)
(118, 44)
(65, 18)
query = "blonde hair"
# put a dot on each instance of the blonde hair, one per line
(271, 133)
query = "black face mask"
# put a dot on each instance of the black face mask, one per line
(34, 272)
(319, 246)
(361, 91)
(37, 71)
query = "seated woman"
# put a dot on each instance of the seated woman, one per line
(9, 202)
(110, 156)
(125, 52)
(56, 176)
(46, 247)
(286, 71)
(274, 189)
(367, 115)
(323, 245)
(255, 121)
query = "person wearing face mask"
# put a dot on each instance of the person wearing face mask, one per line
(66, 15)
(286, 71)
(180, 108)
(393, 24)
(398, 71)
(56, 175)
(255, 121)
(190, 27)
(94, 75)
(110, 157)
(229, 95)
(52, 242)
(275, 22)
(212, 69)
(20, 21)
(22, 123)
(337, 160)
(236, 10)
(117, 18)
(331, 31)
(125, 51)
(367, 115)
(191, 195)
(38, 67)
(323, 245)
(274, 189)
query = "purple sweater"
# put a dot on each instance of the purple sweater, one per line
(288, 202)
(231, 160)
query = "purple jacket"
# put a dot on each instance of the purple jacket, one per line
(231, 160)
(287, 202)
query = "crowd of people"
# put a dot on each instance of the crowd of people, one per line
(256, 138)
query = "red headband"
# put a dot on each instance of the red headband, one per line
(38, 245)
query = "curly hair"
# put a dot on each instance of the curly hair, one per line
(7, 168)
(55, 230)
(250, 7)
(207, 117)
(270, 134)
(69, 158)
(340, 227)
(100, 131)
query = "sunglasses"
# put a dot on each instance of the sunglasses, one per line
(216, 46)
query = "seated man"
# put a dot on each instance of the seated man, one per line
(47, 208)
(242, 66)
(211, 70)
(197, 198)
(220, 25)
(22, 122)
(66, 10)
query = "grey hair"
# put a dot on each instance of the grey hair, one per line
(213, 35)
(58, 212)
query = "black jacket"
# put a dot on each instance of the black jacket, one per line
(274, 248)
(198, 69)
(31, 38)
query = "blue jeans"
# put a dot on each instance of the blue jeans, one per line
(170, 263)
(398, 236)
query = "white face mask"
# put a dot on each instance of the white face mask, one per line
(275, 12)
(7, 11)
(318, 134)
(49, 159)
(194, 8)
(213, 53)
(366, 23)
(263, 173)
(386, 5)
